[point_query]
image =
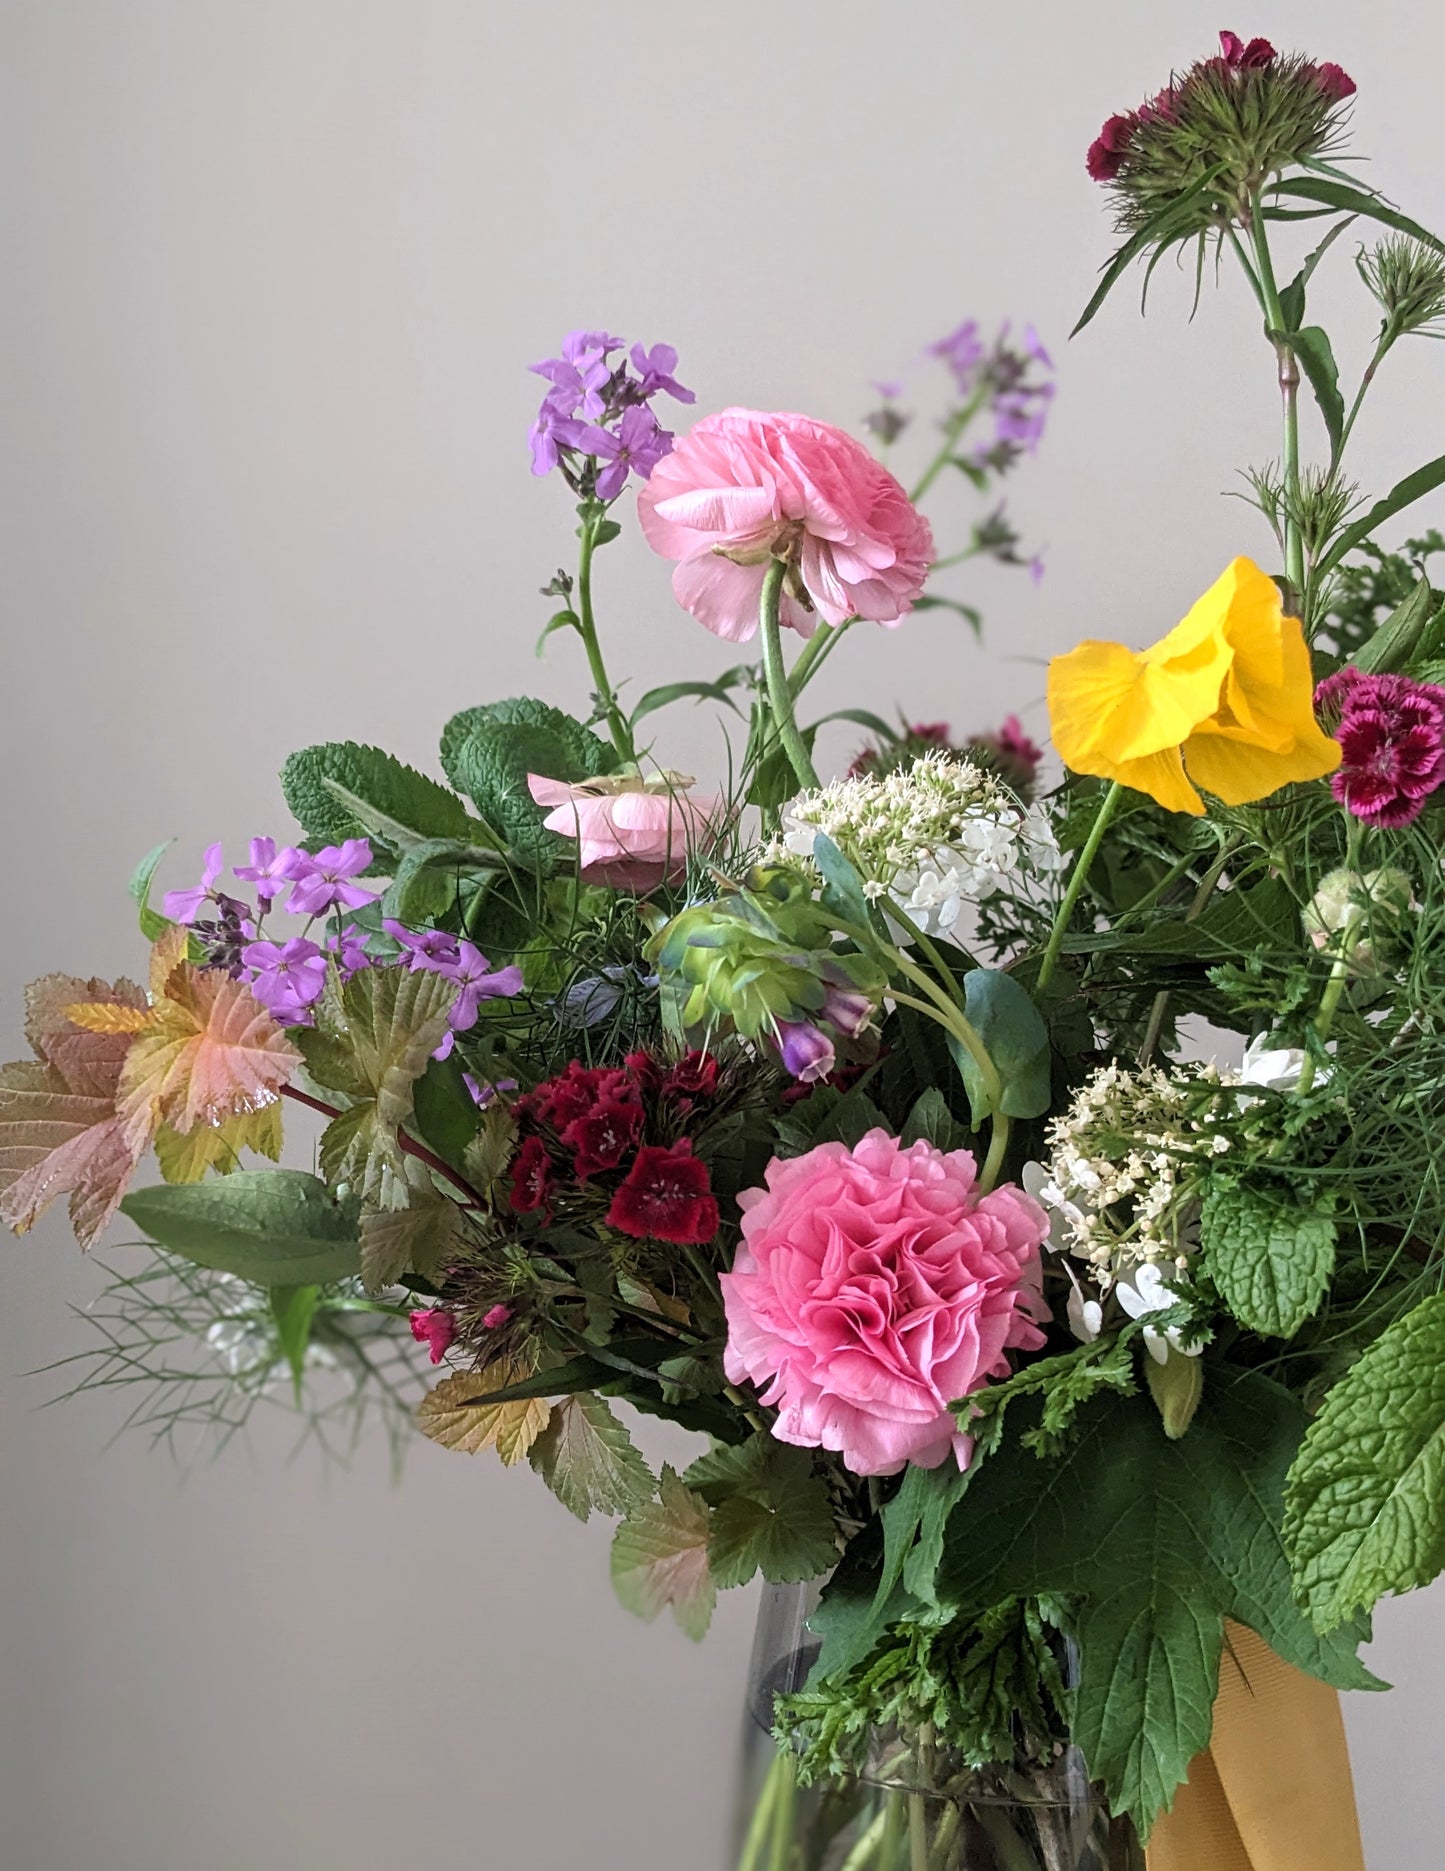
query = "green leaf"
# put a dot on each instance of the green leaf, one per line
(930, 601)
(488, 752)
(1159, 1541)
(273, 1227)
(1403, 494)
(1292, 298)
(698, 691)
(1394, 644)
(444, 1112)
(1317, 359)
(293, 1308)
(1166, 226)
(862, 718)
(1014, 1035)
(152, 924)
(368, 789)
(428, 1235)
(842, 890)
(931, 1120)
(771, 1512)
(1270, 1258)
(559, 620)
(436, 877)
(659, 1558)
(1367, 1494)
(1352, 200)
(588, 1460)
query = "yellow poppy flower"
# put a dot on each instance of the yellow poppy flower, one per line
(1225, 701)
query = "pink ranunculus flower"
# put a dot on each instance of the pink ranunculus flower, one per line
(874, 1287)
(633, 831)
(743, 488)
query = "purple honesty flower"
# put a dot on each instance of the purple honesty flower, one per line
(349, 948)
(588, 347)
(434, 951)
(267, 869)
(183, 906)
(807, 1051)
(1033, 347)
(638, 442)
(324, 878)
(288, 976)
(482, 1095)
(476, 982)
(655, 368)
(572, 388)
(1019, 416)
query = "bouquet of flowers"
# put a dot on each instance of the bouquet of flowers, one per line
(1077, 1394)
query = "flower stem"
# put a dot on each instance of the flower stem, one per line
(606, 695)
(1107, 807)
(761, 1823)
(782, 1841)
(953, 429)
(1294, 555)
(780, 698)
(408, 1145)
(1202, 895)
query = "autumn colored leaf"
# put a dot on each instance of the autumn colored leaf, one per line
(187, 1158)
(659, 1557)
(59, 1130)
(455, 1416)
(211, 1051)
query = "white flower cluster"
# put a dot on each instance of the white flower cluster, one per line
(933, 837)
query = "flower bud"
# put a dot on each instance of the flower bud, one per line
(1360, 915)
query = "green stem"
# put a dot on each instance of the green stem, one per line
(1387, 338)
(1249, 272)
(587, 629)
(761, 1822)
(952, 431)
(1107, 808)
(1202, 895)
(997, 1151)
(1294, 559)
(867, 1843)
(815, 652)
(780, 698)
(782, 1843)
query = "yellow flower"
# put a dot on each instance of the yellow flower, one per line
(1225, 701)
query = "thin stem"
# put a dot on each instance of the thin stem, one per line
(1201, 896)
(782, 1843)
(606, 695)
(952, 431)
(868, 1842)
(408, 1144)
(1107, 808)
(1387, 338)
(1339, 974)
(815, 652)
(780, 698)
(1294, 559)
(761, 1822)
(997, 1150)
(1249, 272)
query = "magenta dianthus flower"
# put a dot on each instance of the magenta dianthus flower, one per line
(1391, 733)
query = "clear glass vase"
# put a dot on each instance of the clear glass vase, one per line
(913, 1808)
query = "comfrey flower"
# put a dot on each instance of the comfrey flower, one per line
(1391, 733)
(595, 423)
(934, 837)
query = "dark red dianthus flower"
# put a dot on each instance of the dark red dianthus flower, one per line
(694, 1076)
(533, 1178)
(600, 1139)
(666, 1196)
(1110, 146)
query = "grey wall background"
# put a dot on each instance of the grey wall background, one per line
(272, 271)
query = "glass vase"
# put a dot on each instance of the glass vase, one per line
(912, 1807)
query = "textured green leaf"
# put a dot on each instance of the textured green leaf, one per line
(426, 1236)
(1270, 1258)
(771, 1512)
(416, 807)
(1159, 1541)
(931, 1120)
(273, 1227)
(588, 1460)
(488, 752)
(1013, 1032)
(659, 1558)
(1367, 1494)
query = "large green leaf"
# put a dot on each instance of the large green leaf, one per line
(1013, 1033)
(1367, 1494)
(1159, 1541)
(487, 753)
(342, 790)
(273, 1227)
(1270, 1258)
(588, 1460)
(771, 1513)
(1351, 200)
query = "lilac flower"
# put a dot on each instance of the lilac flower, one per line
(349, 948)
(267, 867)
(183, 906)
(637, 443)
(324, 878)
(654, 369)
(807, 1051)
(288, 976)
(434, 951)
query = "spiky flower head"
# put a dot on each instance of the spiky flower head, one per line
(1238, 118)
(1407, 279)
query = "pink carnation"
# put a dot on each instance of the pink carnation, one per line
(743, 488)
(874, 1287)
(633, 833)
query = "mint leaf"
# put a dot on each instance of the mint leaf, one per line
(152, 924)
(588, 1460)
(1367, 1494)
(273, 1227)
(1270, 1258)
(488, 752)
(383, 791)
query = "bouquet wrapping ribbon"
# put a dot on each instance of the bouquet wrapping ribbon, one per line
(1272, 1791)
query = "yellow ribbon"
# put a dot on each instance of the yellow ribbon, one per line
(1272, 1791)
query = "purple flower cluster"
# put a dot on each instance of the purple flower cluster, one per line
(288, 976)
(595, 422)
(1005, 375)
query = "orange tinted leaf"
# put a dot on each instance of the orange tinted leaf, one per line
(218, 1146)
(108, 1017)
(454, 1415)
(213, 1052)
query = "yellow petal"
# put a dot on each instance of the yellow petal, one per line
(1162, 777)
(1107, 704)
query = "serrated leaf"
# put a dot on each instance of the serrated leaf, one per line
(457, 1415)
(1270, 1258)
(380, 827)
(1367, 1493)
(488, 752)
(218, 1146)
(588, 1460)
(425, 1236)
(787, 1540)
(1159, 1541)
(60, 1132)
(211, 1051)
(387, 786)
(273, 1227)
(1014, 1035)
(659, 1558)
